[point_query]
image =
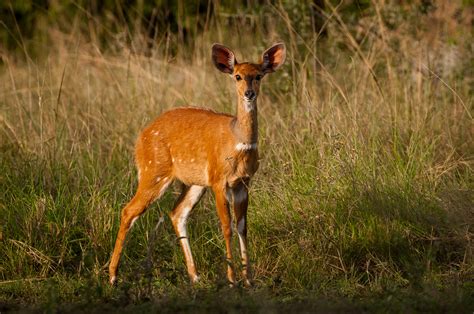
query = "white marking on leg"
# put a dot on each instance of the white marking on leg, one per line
(182, 220)
(243, 246)
(192, 196)
(133, 222)
(164, 187)
(195, 193)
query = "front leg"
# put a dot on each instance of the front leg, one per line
(240, 204)
(222, 205)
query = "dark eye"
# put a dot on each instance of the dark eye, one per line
(237, 77)
(258, 77)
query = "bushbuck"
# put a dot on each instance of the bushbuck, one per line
(201, 149)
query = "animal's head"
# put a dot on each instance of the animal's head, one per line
(246, 75)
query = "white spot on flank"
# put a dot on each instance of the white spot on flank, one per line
(245, 146)
(192, 159)
(156, 133)
(158, 179)
(149, 161)
(172, 159)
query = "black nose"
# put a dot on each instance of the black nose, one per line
(249, 94)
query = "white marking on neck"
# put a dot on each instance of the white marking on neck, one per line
(249, 105)
(245, 146)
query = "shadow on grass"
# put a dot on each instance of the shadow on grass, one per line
(97, 297)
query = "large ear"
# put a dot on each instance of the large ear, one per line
(223, 58)
(273, 58)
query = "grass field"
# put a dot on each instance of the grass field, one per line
(364, 199)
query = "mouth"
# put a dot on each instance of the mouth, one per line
(251, 99)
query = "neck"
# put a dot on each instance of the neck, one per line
(246, 127)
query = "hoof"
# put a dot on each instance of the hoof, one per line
(195, 279)
(113, 280)
(248, 283)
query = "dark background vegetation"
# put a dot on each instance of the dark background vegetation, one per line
(364, 199)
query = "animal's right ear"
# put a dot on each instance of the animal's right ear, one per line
(223, 58)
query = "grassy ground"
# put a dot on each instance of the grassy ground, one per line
(363, 200)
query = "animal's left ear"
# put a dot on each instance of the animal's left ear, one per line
(273, 58)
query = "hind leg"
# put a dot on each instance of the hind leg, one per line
(146, 193)
(179, 215)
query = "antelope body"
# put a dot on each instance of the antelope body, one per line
(202, 148)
